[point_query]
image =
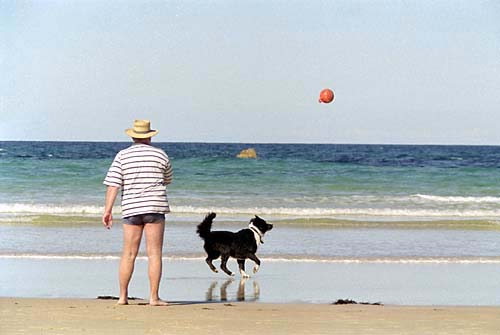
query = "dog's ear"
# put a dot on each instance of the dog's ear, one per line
(257, 217)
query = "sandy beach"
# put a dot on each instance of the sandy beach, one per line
(92, 316)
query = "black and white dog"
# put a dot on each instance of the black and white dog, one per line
(240, 245)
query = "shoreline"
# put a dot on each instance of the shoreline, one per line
(88, 216)
(76, 316)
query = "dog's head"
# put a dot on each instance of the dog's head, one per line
(261, 224)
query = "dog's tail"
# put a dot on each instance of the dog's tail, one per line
(204, 228)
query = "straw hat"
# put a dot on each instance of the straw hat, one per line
(142, 129)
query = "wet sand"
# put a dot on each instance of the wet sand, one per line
(276, 282)
(92, 316)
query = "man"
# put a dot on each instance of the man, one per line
(142, 172)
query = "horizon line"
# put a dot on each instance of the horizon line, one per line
(257, 143)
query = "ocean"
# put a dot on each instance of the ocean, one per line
(377, 209)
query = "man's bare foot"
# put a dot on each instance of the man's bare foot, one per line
(122, 302)
(158, 302)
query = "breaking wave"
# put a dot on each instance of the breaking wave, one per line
(459, 199)
(276, 259)
(418, 212)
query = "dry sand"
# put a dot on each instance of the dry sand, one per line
(81, 316)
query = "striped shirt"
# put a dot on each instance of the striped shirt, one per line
(142, 171)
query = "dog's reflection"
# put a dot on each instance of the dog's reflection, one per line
(240, 294)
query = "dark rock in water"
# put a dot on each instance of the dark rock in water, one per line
(352, 302)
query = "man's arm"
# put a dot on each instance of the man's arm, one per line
(107, 217)
(168, 173)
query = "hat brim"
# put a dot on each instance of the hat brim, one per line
(132, 133)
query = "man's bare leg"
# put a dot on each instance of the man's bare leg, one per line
(154, 245)
(132, 235)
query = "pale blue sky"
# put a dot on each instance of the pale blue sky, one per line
(251, 71)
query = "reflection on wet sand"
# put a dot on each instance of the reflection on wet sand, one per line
(240, 293)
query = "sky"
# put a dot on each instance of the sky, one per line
(403, 72)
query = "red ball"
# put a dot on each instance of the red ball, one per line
(326, 96)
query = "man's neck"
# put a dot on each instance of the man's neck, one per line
(146, 141)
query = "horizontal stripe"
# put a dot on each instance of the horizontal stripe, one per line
(153, 158)
(145, 198)
(133, 197)
(143, 205)
(152, 204)
(144, 166)
(147, 175)
(145, 209)
(115, 175)
(141, 189)
(145, 163)
(143, 179)
(124, 158)
(150, 171)
(144, 185)
(111, 180)
(110, 183)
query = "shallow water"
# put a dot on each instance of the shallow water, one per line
(284, 241)
(276, 282)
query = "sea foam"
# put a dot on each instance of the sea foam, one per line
(382, 260)
(366, 212)
(459, 199)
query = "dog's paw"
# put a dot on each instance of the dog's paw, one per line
(256, 268)
(232, 274)
(215, 270)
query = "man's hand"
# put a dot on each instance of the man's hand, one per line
(107, 220)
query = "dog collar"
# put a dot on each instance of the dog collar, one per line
(257, 232)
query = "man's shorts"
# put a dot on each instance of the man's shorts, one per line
(142, 219)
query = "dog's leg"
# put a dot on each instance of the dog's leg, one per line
(257, 263)
(212, 267)
(223, 264)
(241, 264)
